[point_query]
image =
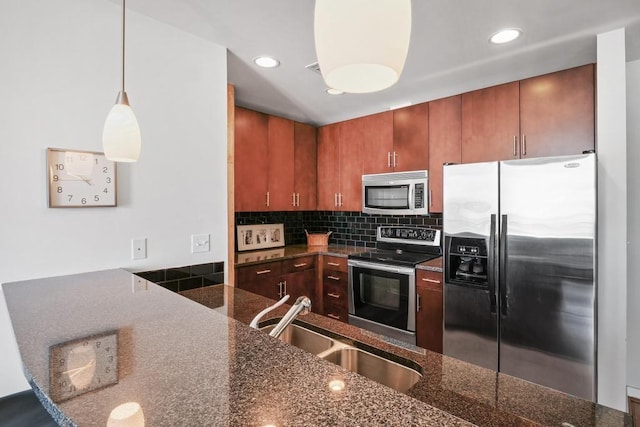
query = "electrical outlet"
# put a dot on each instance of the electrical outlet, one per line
(139, 248)
(199, 243)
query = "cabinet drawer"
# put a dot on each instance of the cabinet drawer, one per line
(336, 312)
(334, 263)
(336, 278)
(264, 271)
(334, 293)
(298, 264)
(429, 279)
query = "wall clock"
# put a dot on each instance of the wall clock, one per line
(83, 365)
(80, 179)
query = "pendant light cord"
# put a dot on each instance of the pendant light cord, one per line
(123, 13)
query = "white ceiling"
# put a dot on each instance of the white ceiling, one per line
(449, 52)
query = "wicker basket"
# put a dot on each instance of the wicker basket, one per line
(317, 239)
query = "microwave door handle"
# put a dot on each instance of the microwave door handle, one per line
(412, 201)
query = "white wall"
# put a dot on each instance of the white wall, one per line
(633, 226)
(612, 219)
(59, 77)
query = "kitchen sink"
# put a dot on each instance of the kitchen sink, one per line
(372, 366)
(303, 338)
(386, 372)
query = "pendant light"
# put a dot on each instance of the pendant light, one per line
(121, 135)
(362, 44)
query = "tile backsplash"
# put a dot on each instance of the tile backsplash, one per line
(349, 228)
(188, 277)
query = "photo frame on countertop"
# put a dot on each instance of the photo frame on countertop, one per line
(260, 236)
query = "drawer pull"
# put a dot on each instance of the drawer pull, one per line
(263, 271)
(424, 279)
(333, 316)
(332, 295)
(334, 264)
(302, 264)
(333, 278)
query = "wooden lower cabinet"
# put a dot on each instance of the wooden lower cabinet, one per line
(335, 300)
(429, 310)
(299, 279)
(262, 279)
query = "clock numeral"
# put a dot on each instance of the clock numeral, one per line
(108, 180)
(105, 191)
(70, 196)
(107, 369)
(59, 190)
(96, 198)
(105, 169)
(62, 362)
(55, 178)
(110, 359)
(96, 160)
(83, 201)
(59, 166)
(98, 343)
(72, 388)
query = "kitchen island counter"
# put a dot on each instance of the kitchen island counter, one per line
(193, 361)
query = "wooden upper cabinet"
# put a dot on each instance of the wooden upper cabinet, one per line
(445, 127)
(280, 164)
(350, 155)
(305, 167)
(377, 141)
(490, 124)
(410, 138)
(328, 167)
(557, 113)
(250, 166)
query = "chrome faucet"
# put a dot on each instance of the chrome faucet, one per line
(302, 306)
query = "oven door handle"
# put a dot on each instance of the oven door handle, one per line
(381, 267)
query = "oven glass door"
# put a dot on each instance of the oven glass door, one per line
(387, 196)
(383, 295)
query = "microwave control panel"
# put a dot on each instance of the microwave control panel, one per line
(419, 196)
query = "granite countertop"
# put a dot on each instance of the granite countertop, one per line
(194, 361)
(294, 251)
(186, 364)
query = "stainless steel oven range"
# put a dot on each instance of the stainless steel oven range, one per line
(382, 283)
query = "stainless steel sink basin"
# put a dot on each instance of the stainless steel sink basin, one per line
(303, 338)
(374, 367)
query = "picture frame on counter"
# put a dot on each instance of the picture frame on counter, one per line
(260, 236)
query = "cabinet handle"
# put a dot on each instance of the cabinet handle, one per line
(267, 199)
(263, 271)
(524, 145)
(418, 308)
(333, 278)
(332, 295)
(395, 156)
(424, 279)
(388, 159)
(298, 199)
(280, 295)
(515, 145)
(334, 264)
(302, 264)
(284, 285)
(335, 199)
(333, 316)
(293, 197)
(339, 199)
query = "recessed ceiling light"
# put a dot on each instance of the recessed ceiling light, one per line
(332, 91)
(266, 62)
(505, 36)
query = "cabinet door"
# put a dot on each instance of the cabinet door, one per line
(557, 113)
(444, 144)
(250, 168)
(376, 136)
(490, 124)
(305, 164)
(300, 284)
(350, 166)
(429, 310)
(280, 164)
(411, 138)
(328, 167)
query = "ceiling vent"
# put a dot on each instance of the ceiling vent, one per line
(315, 67)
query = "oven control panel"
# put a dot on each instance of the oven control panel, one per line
(410, 235)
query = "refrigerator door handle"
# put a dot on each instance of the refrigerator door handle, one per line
(492, 265)
(502, 269)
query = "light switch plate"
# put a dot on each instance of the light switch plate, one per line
(199, 243)
(139, 248)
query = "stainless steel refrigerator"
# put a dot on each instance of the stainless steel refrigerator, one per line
(519, 246)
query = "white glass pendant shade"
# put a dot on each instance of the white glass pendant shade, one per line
(121, 140)
(362, 44)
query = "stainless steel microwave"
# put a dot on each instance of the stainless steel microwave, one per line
(396, 193)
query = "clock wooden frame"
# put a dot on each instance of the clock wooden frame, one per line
(80, 179)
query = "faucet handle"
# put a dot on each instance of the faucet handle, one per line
(254, 322)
